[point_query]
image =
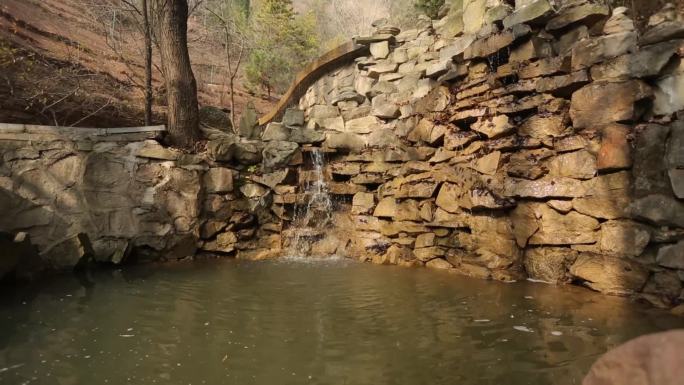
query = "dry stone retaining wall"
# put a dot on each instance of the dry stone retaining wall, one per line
(537, 140)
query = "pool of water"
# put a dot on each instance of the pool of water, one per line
(303, 322)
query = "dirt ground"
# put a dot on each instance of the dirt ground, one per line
(58, 67)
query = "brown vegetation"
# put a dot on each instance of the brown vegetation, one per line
(60, 66)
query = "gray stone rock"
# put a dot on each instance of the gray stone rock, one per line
(306, 136)
(594, 50)
(662, 32)
(669, 91)
(216, 117)
(661, 210)
(151, 149)
(319, 112)
(248, 122)
(278, 154)
(293, 117)
(275, 131)
(72, 253)
(534, 11)
(647, 62)
(650, 168)
(380, 50)
(383, 68)
(344, 141)
(672, 256)
(677, 181)
(385, 107)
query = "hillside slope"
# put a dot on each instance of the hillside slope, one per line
(57, 66)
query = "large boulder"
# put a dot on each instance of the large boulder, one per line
(610, 275)
(215, 117)
(539, 224)
(656, 359)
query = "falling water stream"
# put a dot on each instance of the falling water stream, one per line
(316, 212)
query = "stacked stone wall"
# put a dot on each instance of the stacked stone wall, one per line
(536, 140)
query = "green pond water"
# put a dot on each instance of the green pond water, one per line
(307, 322)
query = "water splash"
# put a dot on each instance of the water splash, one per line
(316, 213)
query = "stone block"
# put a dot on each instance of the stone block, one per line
(380, 50)
(672, 256)
(550, 264)
(533, 12)
(590, 51)
(293, 117)
(661, 210)
(624, 238)
(609, 275)
(578, 165)
(218, 180)
(600, 103)
(363, 203)
(615, 152)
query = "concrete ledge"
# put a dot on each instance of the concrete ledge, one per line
(28, 132)
(305, 78)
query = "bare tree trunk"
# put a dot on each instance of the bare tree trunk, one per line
(148, 63)
(181, 87)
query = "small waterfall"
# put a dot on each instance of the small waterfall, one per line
(316, 212)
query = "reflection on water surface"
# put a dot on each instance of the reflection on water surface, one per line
(293, 322)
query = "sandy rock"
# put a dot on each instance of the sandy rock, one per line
(278, 154)
(438, 264)
(550, 264)
(579, 165)
(493, 128)
(652, 359)
(602, 103)
(615, 152)
(624, 238)
(609, 275)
